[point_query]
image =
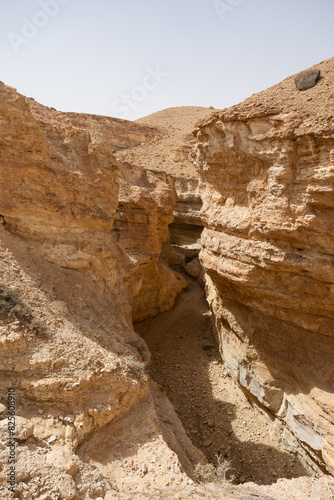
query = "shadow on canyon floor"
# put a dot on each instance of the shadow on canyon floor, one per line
(213, 409)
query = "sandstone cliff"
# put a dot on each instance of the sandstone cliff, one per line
(171, 155)
(266, 170)
(81, 238)
(86, 203)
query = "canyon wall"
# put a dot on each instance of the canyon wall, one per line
(63, 188)
(170, 155)
(80, 241)
(145, 210)
(266, 170)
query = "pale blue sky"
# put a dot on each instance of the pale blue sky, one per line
(102, 56)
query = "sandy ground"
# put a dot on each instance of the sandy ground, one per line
(213, 409)
(175, 126)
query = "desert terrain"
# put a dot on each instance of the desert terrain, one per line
(166, 300)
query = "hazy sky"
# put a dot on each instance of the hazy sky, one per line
(129, 58)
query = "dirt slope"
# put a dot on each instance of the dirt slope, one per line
(170, 154)
(212, 407)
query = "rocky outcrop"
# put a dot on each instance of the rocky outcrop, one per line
(171, 155)
(187, 225)
(63, 188)
(266, 170)
(145, 210)
(81, 237)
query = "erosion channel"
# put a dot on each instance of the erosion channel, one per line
(218, 417)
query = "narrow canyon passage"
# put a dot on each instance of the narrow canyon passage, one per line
(213, 409)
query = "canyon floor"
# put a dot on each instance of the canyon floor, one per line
(215, 412)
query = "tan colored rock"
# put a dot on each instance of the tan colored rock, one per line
(115, 495)
(266, 174)
(328, 453)
(195, 269)
(64, 461)
(66, 487)
(171, 155)
(21, 427)
(81, 246)
(146, 202)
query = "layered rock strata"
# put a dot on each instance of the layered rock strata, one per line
(81, 237)
(266, 170)
(171, 154)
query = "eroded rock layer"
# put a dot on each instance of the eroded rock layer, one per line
(171, 154)
(81, 237)
(266, 170)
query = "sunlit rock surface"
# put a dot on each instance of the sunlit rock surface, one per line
(266, 170)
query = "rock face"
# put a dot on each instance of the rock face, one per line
(306, 79)
(266, 170)
(81, 237)
(63, 188)
(145, 210)
(171, 155)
